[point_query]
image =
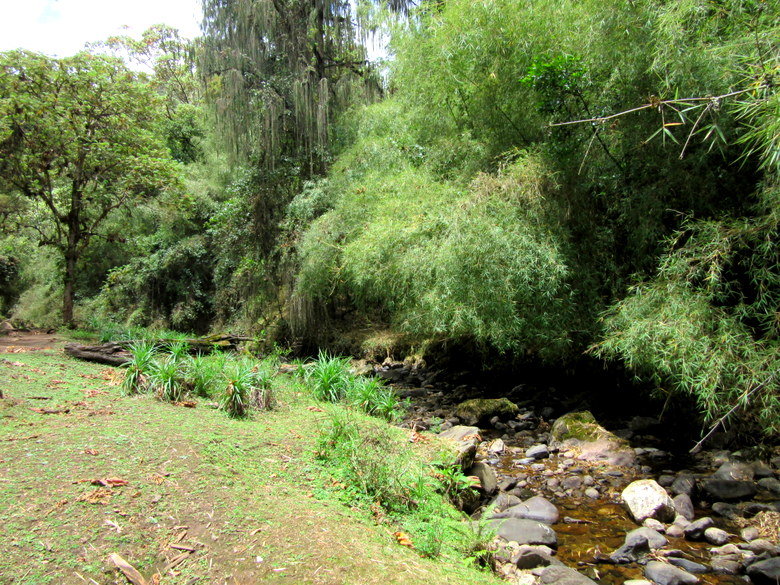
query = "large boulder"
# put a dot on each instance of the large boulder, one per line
(463, 442)
(646, 499)
(524, 531)
(481, 410)
(579, 433)
(729, 489)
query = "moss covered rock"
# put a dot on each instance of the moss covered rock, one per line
(580, 433)
(481, 410)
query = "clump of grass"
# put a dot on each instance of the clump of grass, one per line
(328, 377)
(247, 383)
(179, 350)
(136, 375)
(263, 396)
(167, 379)
(372, 396)
(331, 380)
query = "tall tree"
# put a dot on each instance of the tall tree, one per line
(79, 140)
(279, 70)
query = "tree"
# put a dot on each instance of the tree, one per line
(79, 140)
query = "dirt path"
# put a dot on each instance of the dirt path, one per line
(19, 341)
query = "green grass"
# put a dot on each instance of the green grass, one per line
(245, 488)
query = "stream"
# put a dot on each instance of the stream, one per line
(593, 519)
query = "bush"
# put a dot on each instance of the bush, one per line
(204, 372)
(484, 263)
(329, 377)
(379, 467)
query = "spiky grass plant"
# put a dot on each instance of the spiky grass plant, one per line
(166, 379)
(328, 377)
(263, 396)
(136, 376)
(371, 396)
(241, 382)
(179, 350)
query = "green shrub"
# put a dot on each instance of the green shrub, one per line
(331, 380)
(372, 396)
(140, 366)
(179, 350)
(379, 466)
(484, 263)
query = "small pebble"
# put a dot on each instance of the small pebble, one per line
(592, 493)
(716, 536)
(749, 533)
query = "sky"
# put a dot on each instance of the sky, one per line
(62, 27)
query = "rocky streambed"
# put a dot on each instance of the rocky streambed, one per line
(574, 503)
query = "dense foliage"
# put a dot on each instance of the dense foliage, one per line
(77, 142)
(537, 180)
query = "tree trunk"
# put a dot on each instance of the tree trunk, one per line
(67, 295)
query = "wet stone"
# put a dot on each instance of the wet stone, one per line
(665, 574)
(770, 484)
(525, 531)
(592, 493)
(688, 565)
(538, 452)
(725, 510)
(729, 489)
(535, 508)
(684, 506)
(749, 533)
(716, 536)
(765, 572)
(683, 484)
(735, 470)
(759, 546)
(696, 529)
(646, 499)
(654, 524)
(559, 575)
(723, 566)
(655, 539)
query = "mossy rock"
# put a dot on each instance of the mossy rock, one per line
(580, 426)
(479, 410)
(580, 433)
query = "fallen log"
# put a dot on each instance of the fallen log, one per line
(118, 354)
(110, 354)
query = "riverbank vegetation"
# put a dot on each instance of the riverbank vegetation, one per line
(539, 181)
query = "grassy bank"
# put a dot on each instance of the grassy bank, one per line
(247, 496)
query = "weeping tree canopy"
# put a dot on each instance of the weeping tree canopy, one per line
(278, 71)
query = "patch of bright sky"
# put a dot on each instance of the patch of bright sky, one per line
(62, 27)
